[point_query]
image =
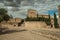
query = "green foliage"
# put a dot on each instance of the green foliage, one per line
(55, 21)
(1, 19)
(6, 17)
(46, 20)
(3, 11)
(31, 19)
(3, 15)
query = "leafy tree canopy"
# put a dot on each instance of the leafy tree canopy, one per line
(4, 15)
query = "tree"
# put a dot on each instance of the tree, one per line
(3, 11)
(49, 20)
(3, 14)
(1, 19)
(6, 17)
(55, 21)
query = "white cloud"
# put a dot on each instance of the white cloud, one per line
(42, 6)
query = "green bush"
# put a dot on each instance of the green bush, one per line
(55, 21)
(1, 18)
(3, 15)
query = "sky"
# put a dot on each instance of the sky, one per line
(18, 8)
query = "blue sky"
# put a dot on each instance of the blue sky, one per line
(51, 12)
(42, 6)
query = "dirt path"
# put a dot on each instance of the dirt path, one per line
(25, 35)
(22, 33)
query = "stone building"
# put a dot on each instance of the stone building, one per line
(59, 15)
(44, 15)
(15, 21)
(32, 13)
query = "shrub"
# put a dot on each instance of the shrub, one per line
(55, 21)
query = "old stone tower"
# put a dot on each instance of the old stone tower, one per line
(32, 13)
(59, 15)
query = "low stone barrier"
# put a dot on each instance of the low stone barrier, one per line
(35, 24)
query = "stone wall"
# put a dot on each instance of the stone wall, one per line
(35, 25)
(15, 20)
(43, 15)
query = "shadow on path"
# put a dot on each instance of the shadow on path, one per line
(4, 31)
